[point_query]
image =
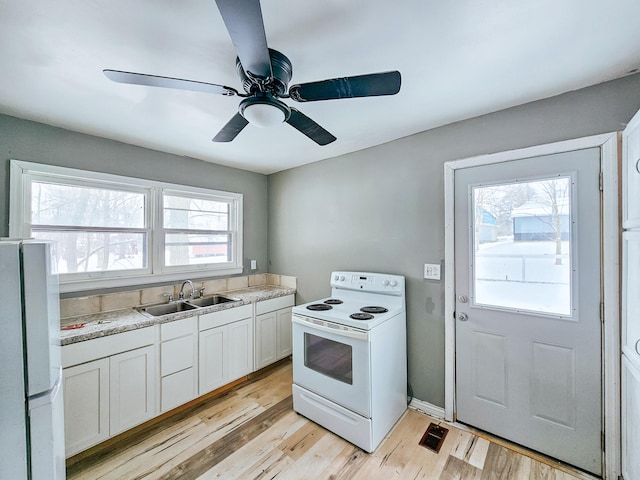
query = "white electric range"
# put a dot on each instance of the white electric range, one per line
(349, 357)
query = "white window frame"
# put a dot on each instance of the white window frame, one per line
(22, 174)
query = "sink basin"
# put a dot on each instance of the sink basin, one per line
(166, 308)
(208, 301)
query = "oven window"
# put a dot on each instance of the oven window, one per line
(331, 358)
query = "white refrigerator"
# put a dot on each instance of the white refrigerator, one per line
(31, 406)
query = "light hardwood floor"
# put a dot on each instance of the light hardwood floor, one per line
(251, 432)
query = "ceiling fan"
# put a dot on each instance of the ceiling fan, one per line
(265, 74)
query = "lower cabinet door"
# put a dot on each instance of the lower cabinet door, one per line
(630, 419)
(284, 333)
(266, 339)
(177, 388)
(86, 405)
(132, 388)
(240, 348)
(212, 365)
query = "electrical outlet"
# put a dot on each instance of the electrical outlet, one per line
(254, 264)
(432, 271)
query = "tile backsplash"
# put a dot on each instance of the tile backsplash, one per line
(73, 307)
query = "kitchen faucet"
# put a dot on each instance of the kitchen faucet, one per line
(182, 289)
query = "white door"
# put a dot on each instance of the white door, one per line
(528, 328)
(630, 301)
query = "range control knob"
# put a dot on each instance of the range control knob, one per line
(342, 278)
(393, 283)
(385, 282)
(336, 278)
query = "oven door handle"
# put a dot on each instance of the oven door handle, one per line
(324, 327)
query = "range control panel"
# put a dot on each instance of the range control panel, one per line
(369, 282)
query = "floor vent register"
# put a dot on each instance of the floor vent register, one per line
(434, 437)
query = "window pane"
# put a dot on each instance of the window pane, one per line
(522, 245)
(97, 251)
(70, 205)
(195, 213)
(193, 249)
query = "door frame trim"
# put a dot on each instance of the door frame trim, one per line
(609, 144)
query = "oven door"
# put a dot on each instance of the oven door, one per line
(333, 361)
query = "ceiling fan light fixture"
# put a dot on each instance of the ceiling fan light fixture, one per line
(264, 111)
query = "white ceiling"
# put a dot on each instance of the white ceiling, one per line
(458, 59)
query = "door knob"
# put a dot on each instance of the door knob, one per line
(463, 317)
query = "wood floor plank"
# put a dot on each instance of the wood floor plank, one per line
(347, 464)
(456, 469)
(504, 464)
(263, 453)
(206, 458)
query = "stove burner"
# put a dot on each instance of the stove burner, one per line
(374, 310)
(316, 307)
(361, 316)
(333, 301)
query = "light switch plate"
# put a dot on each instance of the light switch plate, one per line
(254, 264)
(432, 271)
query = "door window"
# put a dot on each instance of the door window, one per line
(521, 245)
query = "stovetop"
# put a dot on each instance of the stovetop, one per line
(359, 300)
(345, 312)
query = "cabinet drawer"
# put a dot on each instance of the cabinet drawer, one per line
(216, 319)
(177, 389)
(179, 328)
(272, 304)
(89, 350)
(176, 354)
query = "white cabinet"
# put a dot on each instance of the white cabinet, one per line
(273, 330)
(109, 386)
(225, 347)
(631, 414)
(86, 405)
(630, 417)
(131, 389)
(178, 363)
(283, 338)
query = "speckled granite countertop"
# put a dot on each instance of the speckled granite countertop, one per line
(118, 321)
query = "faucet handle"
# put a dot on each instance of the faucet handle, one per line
(201, 292)
(169, 297)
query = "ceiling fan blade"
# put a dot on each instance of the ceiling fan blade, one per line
(231, 129)
(168, 82)
(243, 19)
(369, 85)
(311, 129)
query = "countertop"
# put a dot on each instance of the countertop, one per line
(118, 321)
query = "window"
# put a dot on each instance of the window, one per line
(114, 231)
(522, 245)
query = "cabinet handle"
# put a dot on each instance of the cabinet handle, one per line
(638, 347)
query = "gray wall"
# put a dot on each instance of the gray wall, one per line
(36, 142)
(381, 209)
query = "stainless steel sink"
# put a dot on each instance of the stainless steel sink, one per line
(166, 308)
(208, 301)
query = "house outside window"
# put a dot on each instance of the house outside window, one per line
(114, 231)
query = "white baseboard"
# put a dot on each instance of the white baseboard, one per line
(427, 408)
